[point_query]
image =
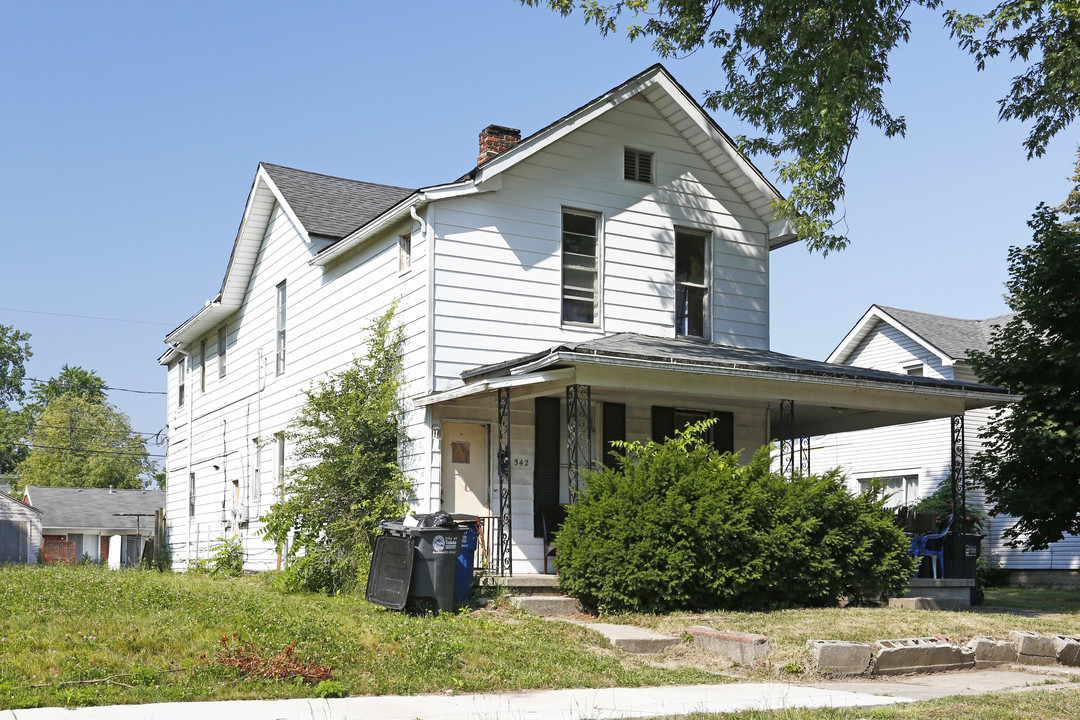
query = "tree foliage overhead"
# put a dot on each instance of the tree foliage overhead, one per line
(810, 75)
(347, 480)
(78, 443)
(72, 380)
(14, 353)
(1030, 462)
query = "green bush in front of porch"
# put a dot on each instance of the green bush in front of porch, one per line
(678, 526)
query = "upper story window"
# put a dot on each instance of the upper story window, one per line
(691, 284)
(222, 336)
(580, 286)
(404, 253)
(280, 354)
(202, 365)
(915, 370)
(637, 166)
(182, 384)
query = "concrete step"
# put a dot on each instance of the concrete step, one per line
(630, 638)
(547, 605)
(519, 585)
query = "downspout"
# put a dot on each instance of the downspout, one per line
(429, 236)
(191, 439)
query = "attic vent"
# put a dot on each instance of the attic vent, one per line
(637, 166)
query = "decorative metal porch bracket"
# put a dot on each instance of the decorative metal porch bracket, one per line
(578, 435)
(959, 487)
(804, 456)
(505, 555)
(787, 439)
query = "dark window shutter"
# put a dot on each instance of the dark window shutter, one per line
(614, 428)
(723, 432)
(545, 459)
(663, 422)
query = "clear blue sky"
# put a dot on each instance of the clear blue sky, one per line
(132, 131)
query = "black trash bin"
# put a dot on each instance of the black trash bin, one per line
(434, 557)
(970, 549)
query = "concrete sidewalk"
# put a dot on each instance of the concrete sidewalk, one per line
(577, 704)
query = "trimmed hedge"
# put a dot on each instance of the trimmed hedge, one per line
(678, 526)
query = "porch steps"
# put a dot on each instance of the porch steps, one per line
(538, 595)
(939, 594)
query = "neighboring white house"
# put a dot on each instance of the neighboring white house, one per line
(914, 459)
(606, 277)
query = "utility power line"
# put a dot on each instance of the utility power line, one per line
(86, 317)
(140, 392)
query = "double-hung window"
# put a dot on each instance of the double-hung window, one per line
(691, 284)
(222, 336)
(580, 267)
(281, 328)
(181, 381)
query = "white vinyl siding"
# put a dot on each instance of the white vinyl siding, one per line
(328, 311)
(498, 266)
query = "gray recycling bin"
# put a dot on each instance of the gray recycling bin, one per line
(421, 580)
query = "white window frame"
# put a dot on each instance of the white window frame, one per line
(908, 368)
(222, 339)
(598, 284)
(202, 366)
(279, 355)
(280, 443)
(181, 385)
(191, 494)
(908, 493)
(404, 253)
(706, 320)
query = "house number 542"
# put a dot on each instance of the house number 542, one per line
(521, 462)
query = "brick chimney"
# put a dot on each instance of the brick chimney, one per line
(494, 139)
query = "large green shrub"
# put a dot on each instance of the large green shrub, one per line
(679, 526)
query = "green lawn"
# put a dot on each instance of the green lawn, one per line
(1054, 601)
(157, 636)
(84, 635)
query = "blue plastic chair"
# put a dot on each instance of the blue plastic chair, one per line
(920, 547)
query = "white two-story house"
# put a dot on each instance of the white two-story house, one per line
(914, 459)
(604, 278)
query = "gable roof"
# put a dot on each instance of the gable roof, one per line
(333, 207)
(94, 508)
(949, 338)
(350, 212)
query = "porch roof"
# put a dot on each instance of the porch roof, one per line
(831, 397)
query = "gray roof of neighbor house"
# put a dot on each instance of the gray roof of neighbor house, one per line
(696, 352)
(95, 508)
(953, 336)
(333, 207)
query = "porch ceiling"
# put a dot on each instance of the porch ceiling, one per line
(687, 372)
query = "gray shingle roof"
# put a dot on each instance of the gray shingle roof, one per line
(333, 207)
(692, 351)
(953, 336)
(94, 508)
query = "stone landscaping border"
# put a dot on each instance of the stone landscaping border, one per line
(902, 655)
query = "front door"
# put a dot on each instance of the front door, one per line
(465, 486)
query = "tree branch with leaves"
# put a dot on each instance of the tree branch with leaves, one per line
(811, 75)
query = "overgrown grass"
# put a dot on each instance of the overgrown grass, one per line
(156, 637)
(1027, 705)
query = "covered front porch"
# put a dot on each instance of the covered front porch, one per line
(516, 438)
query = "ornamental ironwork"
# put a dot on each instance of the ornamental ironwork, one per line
(578, 435)
(959, 485)
(505, 555)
